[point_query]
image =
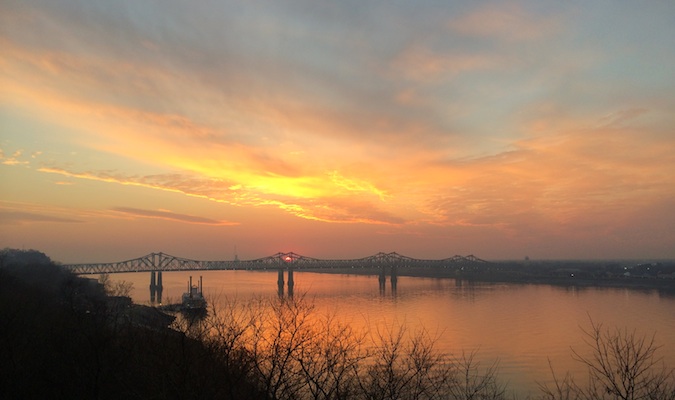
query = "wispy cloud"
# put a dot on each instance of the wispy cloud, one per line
(320, 206)
(421, 63)
(23, 217)
(171, 216)
(507, 21)
(619, 118)
(14, 159)
(189, 185)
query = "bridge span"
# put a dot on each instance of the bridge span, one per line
(156, 263)
(166, 262)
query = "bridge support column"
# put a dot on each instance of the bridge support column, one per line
(394, 278)
(156, 286)
(291, 283)
(160, 287)
(153, 286)
(280, 281)
(280, 277)
(382, 278)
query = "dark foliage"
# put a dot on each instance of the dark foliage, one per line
(62, 339)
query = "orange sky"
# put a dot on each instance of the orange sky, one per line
(504, 130)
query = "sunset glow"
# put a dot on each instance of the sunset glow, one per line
(337, 130)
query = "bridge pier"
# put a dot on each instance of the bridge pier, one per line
(280, 278)
(291, 283)
(382, 278)
(160, 287)
(281, 282)
(156, 286)
(394, 279)
(153, 286)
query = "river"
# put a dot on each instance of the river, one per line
(519, 325)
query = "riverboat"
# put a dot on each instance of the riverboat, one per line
(194, 299)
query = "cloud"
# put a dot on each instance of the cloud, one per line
(420, 63)
(14, 159)
(583, 182)
(170, 216)
(543, 183)
(507, 22)
(22, 217)
(232, 98)
(619, 118)
(344, 210)
(211, 189)
(493, 117)
(360, 202)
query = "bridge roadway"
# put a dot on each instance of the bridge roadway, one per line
(278, 261)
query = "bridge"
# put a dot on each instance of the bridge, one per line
(155, 263)
(166, 262)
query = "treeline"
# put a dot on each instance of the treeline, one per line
(657, 275)
(63, 337)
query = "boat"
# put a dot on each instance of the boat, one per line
(194, 299)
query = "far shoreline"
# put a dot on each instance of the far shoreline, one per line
(662, 284)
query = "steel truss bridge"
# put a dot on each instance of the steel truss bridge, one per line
(279, 261)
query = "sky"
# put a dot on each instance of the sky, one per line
(207, 129)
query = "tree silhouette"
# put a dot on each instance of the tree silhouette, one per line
(621, 365)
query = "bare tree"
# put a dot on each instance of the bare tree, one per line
(277, 337)
(624, 366)
(564, 389)
(403, 367)
(330, 363)
(230, 323)
(621, 365)
(116, 288)
(473, 383)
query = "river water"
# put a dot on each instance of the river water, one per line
(520, 326)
